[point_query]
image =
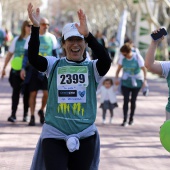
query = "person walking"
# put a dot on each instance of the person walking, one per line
(102, 40)
(69, 138)
(8, 39)
(36, 80)
(16, 51)
(112, 47)
(107, 98)
(161, 68)
(2, 40)
(132, 79)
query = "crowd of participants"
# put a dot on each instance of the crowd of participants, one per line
(23, 78)
(69, 79)
(26, 80)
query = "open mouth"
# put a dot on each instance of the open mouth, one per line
(75, 50)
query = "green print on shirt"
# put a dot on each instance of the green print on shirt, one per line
(131, 67)
(16, 62)
(72, 69)
(64, 108)
(73, 117)
(46, 45)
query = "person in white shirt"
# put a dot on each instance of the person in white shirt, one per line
(108, 98)
(36, 80)
(132, 80)
(15, 54)
(158, 67)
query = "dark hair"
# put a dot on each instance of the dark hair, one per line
(24, 24)
(126, 48)
(108, 79)
(128, 40)
(63, 42)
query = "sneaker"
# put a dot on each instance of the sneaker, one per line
(124, 124)
(111, 120)
(12, 119)
(32, 121)
(25, 119)
(41, 115)
(104, 121)
(130, 122)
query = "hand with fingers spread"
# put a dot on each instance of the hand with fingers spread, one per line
(82, 28)
(34, 15)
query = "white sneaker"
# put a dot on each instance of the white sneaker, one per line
(111, 120)
(104, 121)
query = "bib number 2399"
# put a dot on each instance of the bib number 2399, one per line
(72, 78)
(71, 84)
(74, 75)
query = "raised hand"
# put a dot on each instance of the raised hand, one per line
(82, 28)
(34, 15)
(154, 32)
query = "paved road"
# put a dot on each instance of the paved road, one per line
(134, 147)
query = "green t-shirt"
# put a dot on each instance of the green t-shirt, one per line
(46, 45)
(2, 36)
(168, 104)
(166, 73)
(16, 62)
(71, 105)
(131, 67)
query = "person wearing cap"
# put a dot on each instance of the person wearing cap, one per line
(17, 51)
(161, 68)
(36, 80)
(69, 138)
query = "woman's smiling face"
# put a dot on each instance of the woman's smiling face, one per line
(74, 47)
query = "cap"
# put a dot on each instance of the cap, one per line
(70, 30)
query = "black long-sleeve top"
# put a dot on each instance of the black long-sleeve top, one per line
(40, 63)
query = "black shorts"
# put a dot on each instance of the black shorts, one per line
(38, 82)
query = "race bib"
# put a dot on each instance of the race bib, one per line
(71, 84)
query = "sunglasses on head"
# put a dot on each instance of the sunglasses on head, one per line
(44, 24)
(29, 25)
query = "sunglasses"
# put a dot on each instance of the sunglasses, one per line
(29, 25)
(45, 24)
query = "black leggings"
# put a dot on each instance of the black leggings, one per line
(104, 113)
(58, 157)
(126, 93)
(16, 83)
